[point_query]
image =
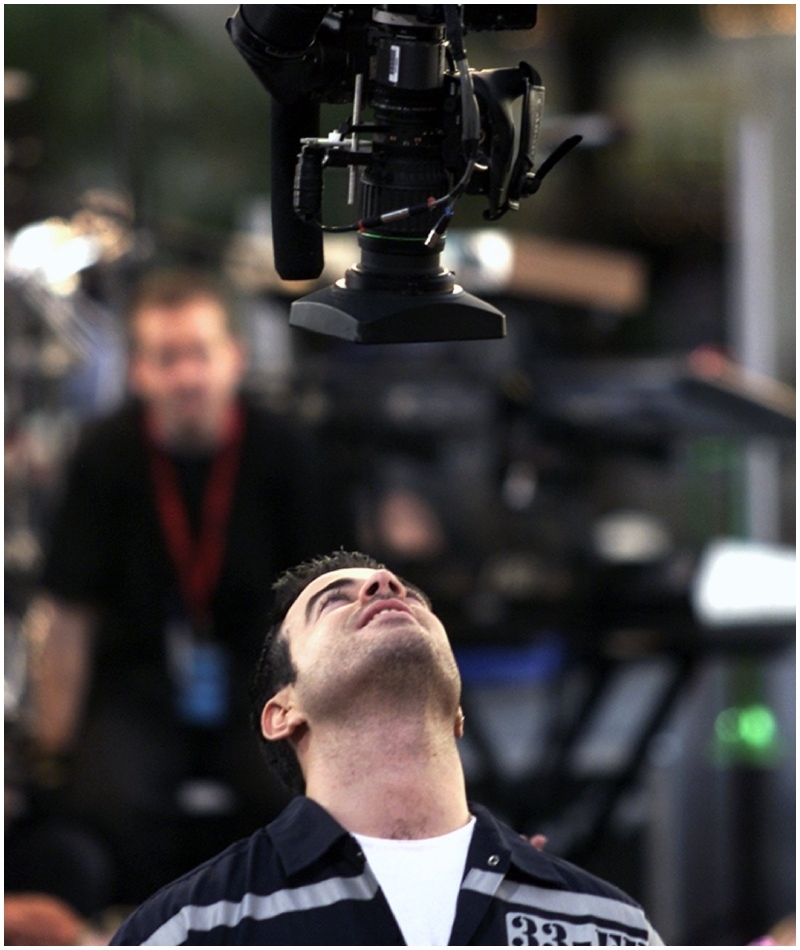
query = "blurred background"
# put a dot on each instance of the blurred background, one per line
(571, 496)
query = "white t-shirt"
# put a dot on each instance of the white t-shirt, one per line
(420, 880)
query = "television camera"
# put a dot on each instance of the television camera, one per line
(438, 130)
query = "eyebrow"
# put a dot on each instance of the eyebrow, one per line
(346, 582)
(334, 585)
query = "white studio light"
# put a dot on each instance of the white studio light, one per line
(630, 537)
(745, 582)
(52, 251)
(483, 258)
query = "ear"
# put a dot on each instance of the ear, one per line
(280, 717)
(458, 729)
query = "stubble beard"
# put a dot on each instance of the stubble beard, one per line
(399, 671)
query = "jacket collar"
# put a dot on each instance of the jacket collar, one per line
(305, 831)
(495, 846)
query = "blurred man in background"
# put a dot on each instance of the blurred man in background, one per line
(174, 511)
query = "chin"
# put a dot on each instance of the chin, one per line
(398, 668)
(191, 434)
(406, 665)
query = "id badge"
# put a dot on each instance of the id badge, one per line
(201, 676)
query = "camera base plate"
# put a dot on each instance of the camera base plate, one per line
(373, 316)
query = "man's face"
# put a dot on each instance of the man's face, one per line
(360, 633)
(186, 367)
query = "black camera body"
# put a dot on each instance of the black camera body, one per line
(438, 130)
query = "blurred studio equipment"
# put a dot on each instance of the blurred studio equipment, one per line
(438, 131)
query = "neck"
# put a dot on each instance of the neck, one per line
(396, 778)
(204, 435)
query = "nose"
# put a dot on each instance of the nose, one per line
(381, 583)
(188, 371)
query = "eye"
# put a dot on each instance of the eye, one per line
(331, 598)
(413, 594)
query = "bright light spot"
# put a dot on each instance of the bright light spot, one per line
(52, 251)
(630, 537)
(752, 727)
(745, 582)
(757, 726)
(482, 259)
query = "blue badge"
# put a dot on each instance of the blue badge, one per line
(201, 674)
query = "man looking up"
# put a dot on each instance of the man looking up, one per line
(357, 696)
(175, 508)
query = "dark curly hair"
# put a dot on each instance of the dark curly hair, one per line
(275, 668)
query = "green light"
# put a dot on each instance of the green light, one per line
(757, 726)
(747, 734)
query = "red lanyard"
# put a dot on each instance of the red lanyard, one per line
(198, 562)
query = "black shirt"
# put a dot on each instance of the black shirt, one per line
(107, 548)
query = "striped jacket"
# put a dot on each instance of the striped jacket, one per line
(302, 880)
